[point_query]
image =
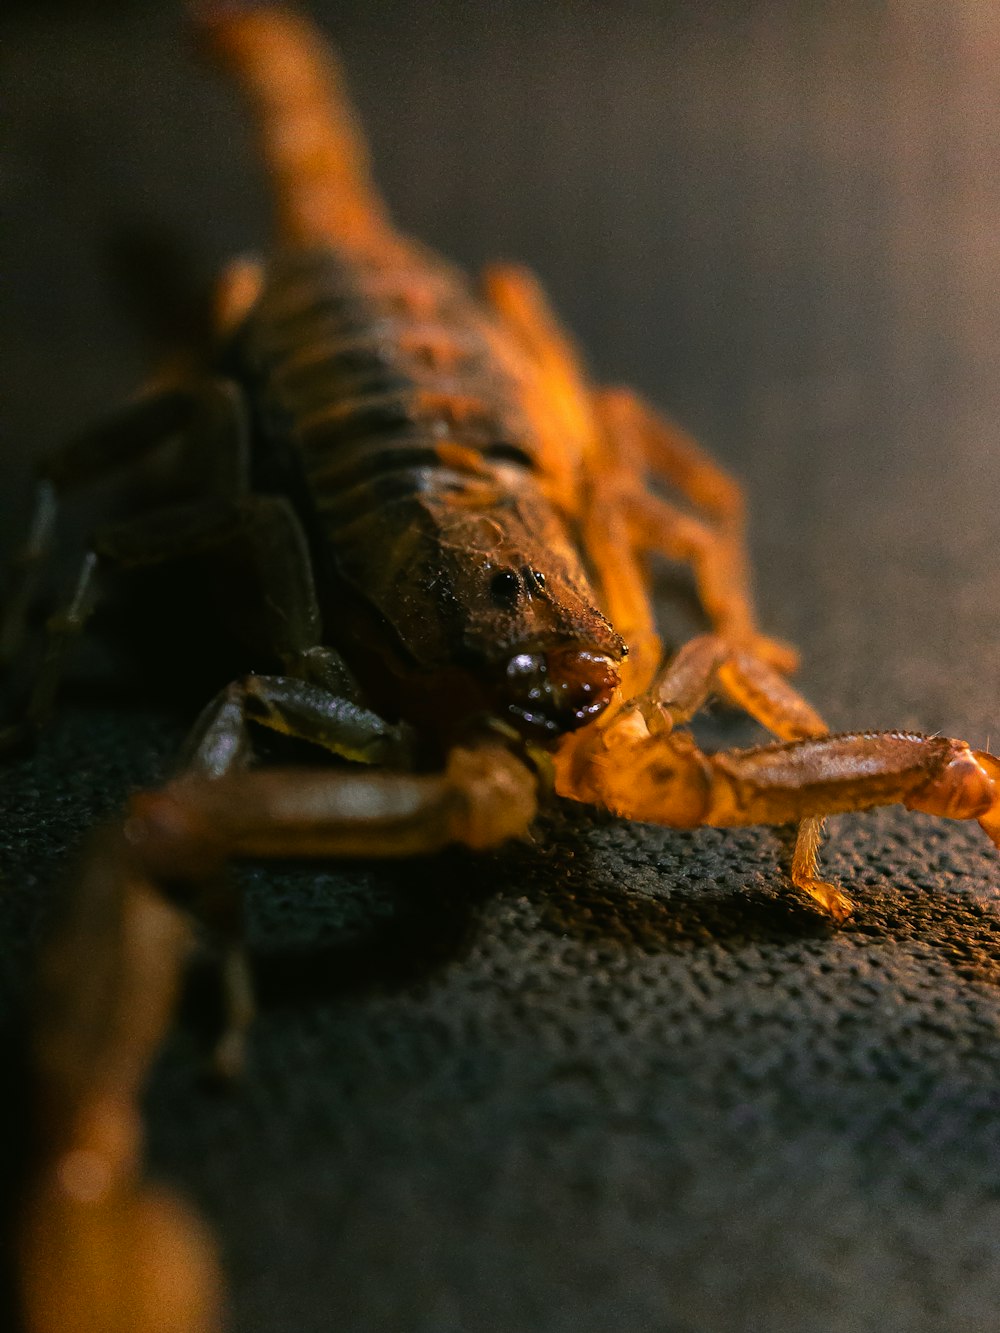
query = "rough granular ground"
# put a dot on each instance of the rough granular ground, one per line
(617, 1078)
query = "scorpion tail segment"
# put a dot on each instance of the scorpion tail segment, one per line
(311, 141)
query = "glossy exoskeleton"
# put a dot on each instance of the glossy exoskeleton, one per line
(440, 527)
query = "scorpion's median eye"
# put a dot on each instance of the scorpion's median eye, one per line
(535, 579)
(505, 587)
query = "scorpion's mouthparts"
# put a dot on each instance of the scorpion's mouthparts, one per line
(558, 691)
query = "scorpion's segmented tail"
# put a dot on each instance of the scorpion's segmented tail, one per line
(312, 143)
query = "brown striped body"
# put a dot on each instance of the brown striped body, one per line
(387, 407)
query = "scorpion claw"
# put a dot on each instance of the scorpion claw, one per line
(990, 821)
(967, 786)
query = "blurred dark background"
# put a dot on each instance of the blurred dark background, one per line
(629, 1083)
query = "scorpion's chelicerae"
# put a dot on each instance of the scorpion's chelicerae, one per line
(441, 527)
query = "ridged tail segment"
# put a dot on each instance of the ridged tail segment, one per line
(310, 137)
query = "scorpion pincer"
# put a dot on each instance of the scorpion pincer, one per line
(433, 532)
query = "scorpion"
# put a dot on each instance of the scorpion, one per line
(436, 531)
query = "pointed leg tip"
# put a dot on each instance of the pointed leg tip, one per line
(832, 900)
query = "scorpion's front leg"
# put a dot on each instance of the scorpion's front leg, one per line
(664, 778)
(709, 665)
(190, 828)
(103, 1252)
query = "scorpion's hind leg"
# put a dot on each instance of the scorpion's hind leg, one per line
(673, 456)
(125, 438)
(219, 476)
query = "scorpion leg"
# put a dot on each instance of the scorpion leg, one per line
(716, 553)
(144, 424)
(519, 299)
(137, 429)
(64, 627)
(236, 293)
(263, 528)
(26, 568)
(625, 588)
(665, 778)
(673, 455)
(161, 534)
(103, 1252)
(292, 707)
(708, 663)
(220, 745)
(560, 399)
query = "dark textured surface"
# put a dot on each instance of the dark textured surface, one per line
(618, 1079)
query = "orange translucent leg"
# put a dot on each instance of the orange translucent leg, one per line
(715, 551)
(769, 698)
(614, 555)
(664, 778)
(624, 581)
(532, 346)
(672, 455)
(585, 476)
(708, 664)
(520, 300)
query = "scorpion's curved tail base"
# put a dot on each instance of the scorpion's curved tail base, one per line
(310, 138)
(102, 1250)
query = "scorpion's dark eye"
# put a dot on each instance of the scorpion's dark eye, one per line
(535, 579)
(505, 587)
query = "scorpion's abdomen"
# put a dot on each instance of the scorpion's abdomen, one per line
(373, 366)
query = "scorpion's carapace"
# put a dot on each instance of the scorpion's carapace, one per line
(433, 531)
